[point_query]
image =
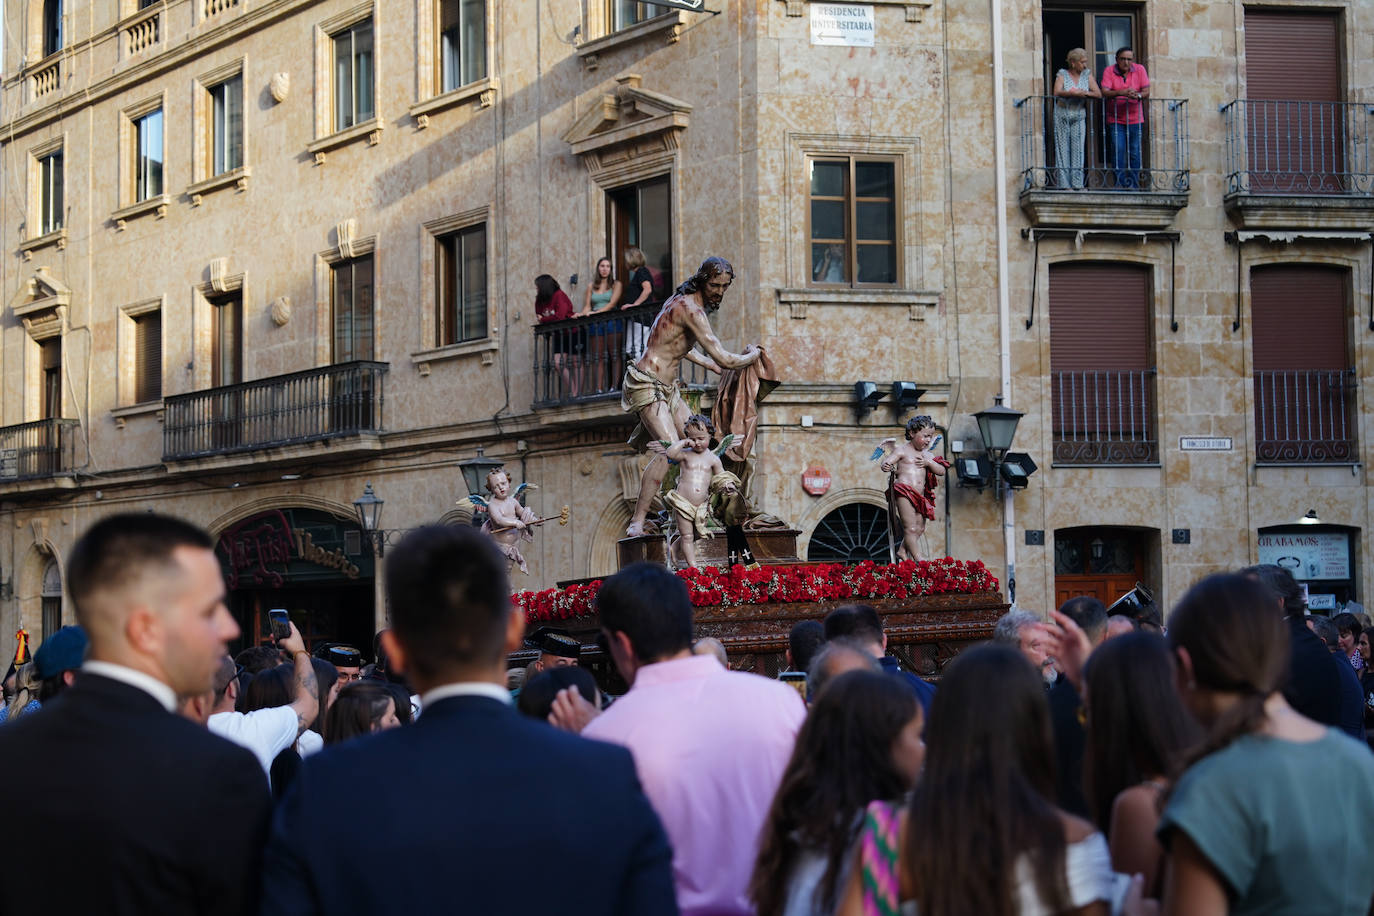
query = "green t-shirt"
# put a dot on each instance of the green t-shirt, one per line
(1290, 826)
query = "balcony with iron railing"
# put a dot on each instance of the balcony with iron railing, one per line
(32, 451)
(1104, 417)
(1079, 168)
(332, 402)
(1299, 164)
(582, 360)
(1305, 416)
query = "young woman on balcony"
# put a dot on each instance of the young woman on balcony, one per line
(566, 344)
(603, 295)
(639, 290)
(1072, 89)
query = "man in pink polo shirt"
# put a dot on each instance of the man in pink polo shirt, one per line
(1123, 88)
(710, 744)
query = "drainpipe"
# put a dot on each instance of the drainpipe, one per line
(1003, 298)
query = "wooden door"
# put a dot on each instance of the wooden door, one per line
(1104, 563)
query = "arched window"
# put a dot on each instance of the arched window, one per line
(851, 534)
(52, 599)
(52, 26)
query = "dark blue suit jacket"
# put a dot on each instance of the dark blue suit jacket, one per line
(473, 809)
(924, 690)
(120, 807)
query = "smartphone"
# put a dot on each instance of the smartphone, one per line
(281, 623)
(796, 680)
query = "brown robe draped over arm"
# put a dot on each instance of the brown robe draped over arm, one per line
(735, 411)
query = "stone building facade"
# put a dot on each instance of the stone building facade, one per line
(262, 253)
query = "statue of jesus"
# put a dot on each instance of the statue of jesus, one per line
(651, 389)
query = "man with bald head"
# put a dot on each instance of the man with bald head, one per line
(162, 816)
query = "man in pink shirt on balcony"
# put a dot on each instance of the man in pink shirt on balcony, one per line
(710, 744)
(1123, 88)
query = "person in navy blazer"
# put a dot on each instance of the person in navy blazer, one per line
(120, 806)
(474, 808)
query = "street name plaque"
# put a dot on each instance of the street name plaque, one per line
(1205, 443)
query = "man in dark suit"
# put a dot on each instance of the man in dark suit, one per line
(1314, 682)
(478, 805)
(126, 807)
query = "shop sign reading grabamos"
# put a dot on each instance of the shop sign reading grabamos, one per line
(1315, 555)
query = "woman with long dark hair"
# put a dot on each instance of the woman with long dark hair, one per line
(268, 689)
(551, 304)
(361, 708)
(1274, 813)
(860, 742)
(1137, 731)
(981, 834)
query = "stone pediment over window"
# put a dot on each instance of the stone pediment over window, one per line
(629, 128)
(42, 292)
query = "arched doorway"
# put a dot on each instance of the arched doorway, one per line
(311, 562)
(1103, 562)
(850, 534)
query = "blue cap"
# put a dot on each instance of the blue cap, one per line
(62, 651)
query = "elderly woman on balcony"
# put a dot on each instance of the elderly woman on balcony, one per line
(1073, 86)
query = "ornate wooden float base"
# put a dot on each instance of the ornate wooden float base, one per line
(923, 633)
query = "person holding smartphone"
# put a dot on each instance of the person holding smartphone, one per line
(267, 732)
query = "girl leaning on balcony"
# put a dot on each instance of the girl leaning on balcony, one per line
(603, 295)
(567, 343)
(1072, 89)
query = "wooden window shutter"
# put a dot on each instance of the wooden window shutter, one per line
(1299, 317)
(148, 357)
(1099, 317)
(1292, 55)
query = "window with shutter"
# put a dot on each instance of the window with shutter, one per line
(1102, 373)
(50, 356)
(1304, 378)
(148, 357)
(1295, 122)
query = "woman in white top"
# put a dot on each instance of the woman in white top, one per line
(1073, 87)
(981, 834)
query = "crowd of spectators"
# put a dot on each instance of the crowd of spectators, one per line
(1086, 764)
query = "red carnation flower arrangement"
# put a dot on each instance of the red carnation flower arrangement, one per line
(718, 586)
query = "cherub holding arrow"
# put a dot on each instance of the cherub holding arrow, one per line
(912, 470)
(508, 522)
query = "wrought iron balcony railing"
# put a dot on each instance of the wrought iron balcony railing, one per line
(583, 359)
(1304, 416)
(1071, 144)
(43, 448)
(325, 403)
(1104, 417)
(1298, 148)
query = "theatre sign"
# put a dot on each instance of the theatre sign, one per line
(292, 546)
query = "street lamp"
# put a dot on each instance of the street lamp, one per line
(475, 471)
(1310, 518)
(369, 509)
(997, 425)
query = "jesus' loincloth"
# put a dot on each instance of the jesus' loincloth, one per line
(640, 389)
